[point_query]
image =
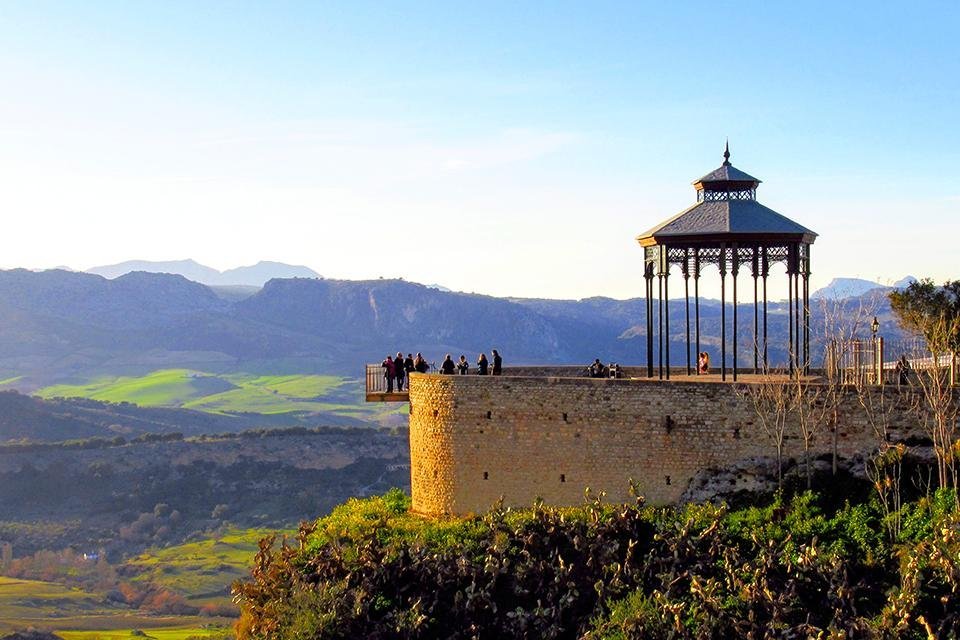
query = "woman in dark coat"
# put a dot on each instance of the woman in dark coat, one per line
(497, 363)
(399, 370)
(482, 364)
(448, 367)
(389, 372)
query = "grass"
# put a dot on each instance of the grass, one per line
(201, 571)
(33, 603)
(163, 388)
(234, 393)
(10, 380)
(165, 633)
(220, 393)
(26, 599)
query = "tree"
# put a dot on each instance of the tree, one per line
(934, 313)
(842, 323)
(810, 404)
(771, 400)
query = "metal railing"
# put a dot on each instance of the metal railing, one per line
(857, 361)
(376, 381)
(864, 360)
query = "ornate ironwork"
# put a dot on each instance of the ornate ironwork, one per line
(777, 253)
(734, 239)
(711, 195)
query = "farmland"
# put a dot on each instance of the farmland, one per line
(336, 397)
(35, 603)
(201, 570)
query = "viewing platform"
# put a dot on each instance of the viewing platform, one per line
(376, 383)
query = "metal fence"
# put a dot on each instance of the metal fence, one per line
(878, 361)
(858, 361)
(376, 382)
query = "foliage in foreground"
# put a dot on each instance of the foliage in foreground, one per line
(788, 569)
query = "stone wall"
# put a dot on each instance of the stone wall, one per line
(475, 439)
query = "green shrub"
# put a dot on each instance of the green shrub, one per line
(789, 568)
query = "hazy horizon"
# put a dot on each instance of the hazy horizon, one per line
(676, 293)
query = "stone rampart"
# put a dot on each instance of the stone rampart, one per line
(475, 439)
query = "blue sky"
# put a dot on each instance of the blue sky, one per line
(504, 148)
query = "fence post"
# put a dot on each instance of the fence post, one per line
(878, 360)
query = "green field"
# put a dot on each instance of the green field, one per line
(32, 603)
(27, 601)
(164, 633)
(201, 571)
(230, 393)
(164, 388)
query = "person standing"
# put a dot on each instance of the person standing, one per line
(703, 363)
(482, 364)
(420, 364)
(448, 367)
(497, 363)
(463, 366)
(903, 370)
(389, 372)
(408, 367)
(399, 369)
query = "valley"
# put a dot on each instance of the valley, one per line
(154, 429)
(305, 398)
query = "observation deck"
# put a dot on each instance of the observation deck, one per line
(376, 384)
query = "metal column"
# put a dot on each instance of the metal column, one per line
(723, 312)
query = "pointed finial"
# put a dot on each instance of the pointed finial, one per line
(726, 153)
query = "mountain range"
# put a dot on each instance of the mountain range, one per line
(840, 288)
(56, 325)
(250, 276)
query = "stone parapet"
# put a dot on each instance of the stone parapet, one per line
(477, 439)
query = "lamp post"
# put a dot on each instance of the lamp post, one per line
(877, 352)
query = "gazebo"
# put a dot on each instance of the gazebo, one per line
(728, 228)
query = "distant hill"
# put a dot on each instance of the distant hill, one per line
(840, 288)
(251, 276)
(62, 327)
(235, 292)
(107, 496)
(189, 269)
(259, 274)
(24, 417)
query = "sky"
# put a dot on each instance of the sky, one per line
(500, 148)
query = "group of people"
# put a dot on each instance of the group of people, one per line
(398, 369)
(492, 366)
(600, 370)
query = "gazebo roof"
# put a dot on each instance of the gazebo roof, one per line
(726, 220)
(727, 211)
(727, 173)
